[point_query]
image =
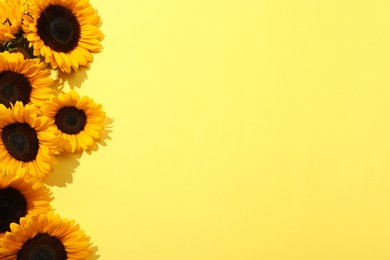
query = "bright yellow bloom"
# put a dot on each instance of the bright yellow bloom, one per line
(78, 119)
(23, 80)
(64, 32)
(19, 197)
(27, 140)
(46, 236)
(11, 14)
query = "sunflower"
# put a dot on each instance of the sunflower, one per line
(28, 140)
(78, 119)
(11, 13)
(64, 32)
(19, 197)
(45, 236)
(23, 80)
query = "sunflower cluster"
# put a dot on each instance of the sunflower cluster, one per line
(39, 38)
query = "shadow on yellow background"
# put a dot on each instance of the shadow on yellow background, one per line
(245, 130)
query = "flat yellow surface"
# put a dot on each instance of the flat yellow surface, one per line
(245, 130)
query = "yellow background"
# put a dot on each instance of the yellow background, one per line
(245, 130)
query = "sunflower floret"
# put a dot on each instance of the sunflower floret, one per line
(27, 140)
(79, 120)
(65, 33)
(11, 13)
(24, 80)
(45, 236)
(20, 196)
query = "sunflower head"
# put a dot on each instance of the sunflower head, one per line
(11, 13)
(20, 196)
(24, 80)
(45, 236)
(27, 140)
(78, 119)
(64, 32)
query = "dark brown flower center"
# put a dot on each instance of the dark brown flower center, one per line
(59, 28)
(13, 206)
(14, 87)
(70, 120)
(21, 141)
(42, 247)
